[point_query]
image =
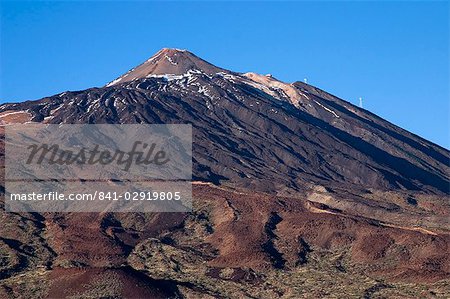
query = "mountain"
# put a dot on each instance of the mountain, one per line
(255, 130)
(289, 181)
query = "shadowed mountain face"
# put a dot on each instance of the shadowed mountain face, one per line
(290, 182)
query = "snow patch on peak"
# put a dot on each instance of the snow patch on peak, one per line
(169, 59)
(171, 77)
(327, 109)
(114, 82)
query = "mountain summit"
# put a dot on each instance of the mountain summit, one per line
(168, 61)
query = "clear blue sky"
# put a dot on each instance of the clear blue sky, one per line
(393, 54)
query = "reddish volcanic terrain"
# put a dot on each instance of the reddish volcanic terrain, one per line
(296, 194)
(238, 239)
